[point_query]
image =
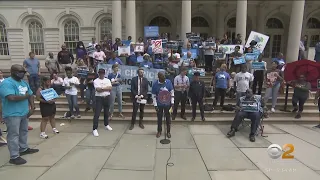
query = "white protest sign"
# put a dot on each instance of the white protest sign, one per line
(123, 50)
(139, 47)
(157, 46)
(228, 49)
(261, 40)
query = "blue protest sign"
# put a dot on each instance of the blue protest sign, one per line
(258, 66)
(82, 72)
(251, 56)
(140, 59)
(49, 94)
(194, 53)
(151, 31)
(239, 60)
(249, 106)
(220, 55)
(126, 42)
(128, 72)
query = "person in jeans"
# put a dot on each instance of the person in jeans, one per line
(273, 82)
(181, 85)
(90, 97)
(258, 77)
(32, 65)
(300, 94)
(65, 57)
(103, 87)
(71, 83)
(16, 97)
(243, 80)
(115, 78)
(222, 79)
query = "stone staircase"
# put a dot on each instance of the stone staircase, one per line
(310, 114)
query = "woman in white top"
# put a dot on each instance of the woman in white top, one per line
(71, 83)
(56, 83)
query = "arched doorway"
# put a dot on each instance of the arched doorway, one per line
(275, 30)
(200, 25)
(163, 23)
(231, 28)
(313, 31)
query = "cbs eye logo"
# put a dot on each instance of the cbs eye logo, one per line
(275, 151)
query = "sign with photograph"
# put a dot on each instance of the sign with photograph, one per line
(123, 50)
(49, 94)
(261, 40)
(228, 49)
(194, 53)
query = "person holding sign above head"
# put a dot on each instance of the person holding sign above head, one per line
(47, 109)
(249, 106)
(114, 59)
(139, 93)
(163, 99)
(103, 87)
(115, 78)
(70, 84)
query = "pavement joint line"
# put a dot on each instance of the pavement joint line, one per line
(102, 147)
(125, 129)
(138, 170)
(59, 159)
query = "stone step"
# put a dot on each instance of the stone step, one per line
(128, 105)
(303, 119)
(152, 113)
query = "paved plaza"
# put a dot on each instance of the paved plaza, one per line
(198, 152)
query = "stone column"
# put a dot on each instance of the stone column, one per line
(295, 29)
(220, 21)
(131, 19)
(185, 18)
(116, 20)
(241, 25)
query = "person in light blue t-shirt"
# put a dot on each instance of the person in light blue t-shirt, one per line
(32, 66)
(222, 79)
(16, 97)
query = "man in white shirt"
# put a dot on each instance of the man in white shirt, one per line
(181, 85)
(243, 80)
(103, 87)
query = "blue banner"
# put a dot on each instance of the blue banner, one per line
(251, 56)
(126, 42)
(258, 66)
(151, 31)
(194, 53)
(128, 72)
(239, 60)
(49, 94)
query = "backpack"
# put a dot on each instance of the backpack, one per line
(228, 107)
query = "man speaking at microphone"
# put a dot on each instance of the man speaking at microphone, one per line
(163, 100)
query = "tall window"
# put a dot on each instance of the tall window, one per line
(36, 37)
(199, 22)
(106, 29)
(71, 35)
(160, 21)
(4, 49)
(274, 23)
(313, 23)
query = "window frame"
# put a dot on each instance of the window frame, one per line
(100, 35)
(4, 34)
(77, 36)
(41, 36)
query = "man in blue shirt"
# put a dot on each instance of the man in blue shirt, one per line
(249, 106)
(222, 79)
(114, 59)
(16, 98)
(163, 99)
(32, 66)
(146, 61)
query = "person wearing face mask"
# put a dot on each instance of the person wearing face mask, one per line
(52, 64)
(81, 52)
(65, 57)
(249, 106)
(163, 99)
(17, 96)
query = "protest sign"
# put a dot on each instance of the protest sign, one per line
(128, 72)
(123, 50)
(251, 56)
(258, 66)
(140, 59)
(200, 70)
(194, 53)
(157, 46)
(138, 48)
(249, 106)
(228, 49)
(126, 42)
(151, 31)
(164, 43)
(49, 94)
(82, 71)
(261, 40)
(239, 60)
(220, 55)
(173, 45)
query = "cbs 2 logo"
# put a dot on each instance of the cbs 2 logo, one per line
(275, 151)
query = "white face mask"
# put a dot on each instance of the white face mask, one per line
(81, 46)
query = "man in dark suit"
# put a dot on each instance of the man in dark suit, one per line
(196, 94)
(139, 93)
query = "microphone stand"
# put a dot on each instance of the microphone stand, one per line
(165, 140)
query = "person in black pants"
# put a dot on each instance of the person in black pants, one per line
(300, 94)
(103, 87)
(139, 92)
(181, 84)
(196, 94)
(222, 83)
(258, 77)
